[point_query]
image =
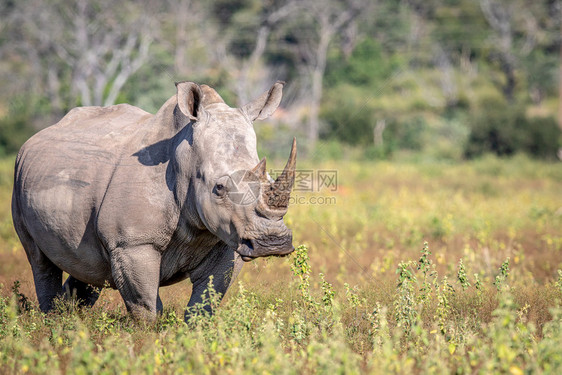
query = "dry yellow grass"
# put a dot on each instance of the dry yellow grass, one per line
(381, 213)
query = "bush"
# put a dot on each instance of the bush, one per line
(348, 116)
(543, 137)
(368, 66)
(14, 131)
(351, 119)
(406, 134)
(505, 130)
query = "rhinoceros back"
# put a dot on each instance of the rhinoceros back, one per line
(61, 176)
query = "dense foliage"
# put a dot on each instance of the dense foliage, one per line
(505, 130)
(453, 78)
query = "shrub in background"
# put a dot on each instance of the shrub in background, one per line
(14, 131)
(505, 130)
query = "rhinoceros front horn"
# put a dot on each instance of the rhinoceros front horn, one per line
(278, 194)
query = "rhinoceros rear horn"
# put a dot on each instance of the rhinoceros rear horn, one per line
(260, 170)
(277, 196)
(189, 97)
(266, 104)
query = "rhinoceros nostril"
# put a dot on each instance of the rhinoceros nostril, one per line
(245, 248)
(248, 244)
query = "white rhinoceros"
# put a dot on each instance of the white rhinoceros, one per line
(117, 195)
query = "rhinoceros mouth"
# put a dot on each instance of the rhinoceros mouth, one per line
(252, 249)
(246, 250)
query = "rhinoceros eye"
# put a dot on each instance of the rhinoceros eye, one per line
(219, 190)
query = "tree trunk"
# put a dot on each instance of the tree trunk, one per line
(508, 71)
(317, 86)
(54, 90)
(244, 81)
(560, 78)
(182, 12)
(377, 132)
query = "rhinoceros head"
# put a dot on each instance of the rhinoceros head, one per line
(234, 196)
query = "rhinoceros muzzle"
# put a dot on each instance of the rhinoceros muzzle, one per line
(272, 205)
(268, 246)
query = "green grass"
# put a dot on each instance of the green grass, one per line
(363, 294)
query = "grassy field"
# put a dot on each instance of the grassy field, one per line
(404, 266)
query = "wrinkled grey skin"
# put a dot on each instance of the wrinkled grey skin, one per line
(140, 201)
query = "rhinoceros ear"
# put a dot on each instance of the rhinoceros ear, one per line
(189, 97)
(266, 104)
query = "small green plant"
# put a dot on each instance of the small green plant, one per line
(352, 296)
(168, 319)
(405, 305)
(105, 323)
(22, 300)
(328, 293)
(558, 282)
(462, 276)
(444, 294)
(4, 315)
(201, 313)
(379, 330)
(501, 277)
(301, 269)
(478, 285)
(427, 268)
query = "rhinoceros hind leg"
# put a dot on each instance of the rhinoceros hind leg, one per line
(46, 275)
(48, 283)
(85, 294)
(159, 305)
(136, 272)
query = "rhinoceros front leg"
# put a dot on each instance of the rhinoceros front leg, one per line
(224, 265)
(85, 294)
(136, 272)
